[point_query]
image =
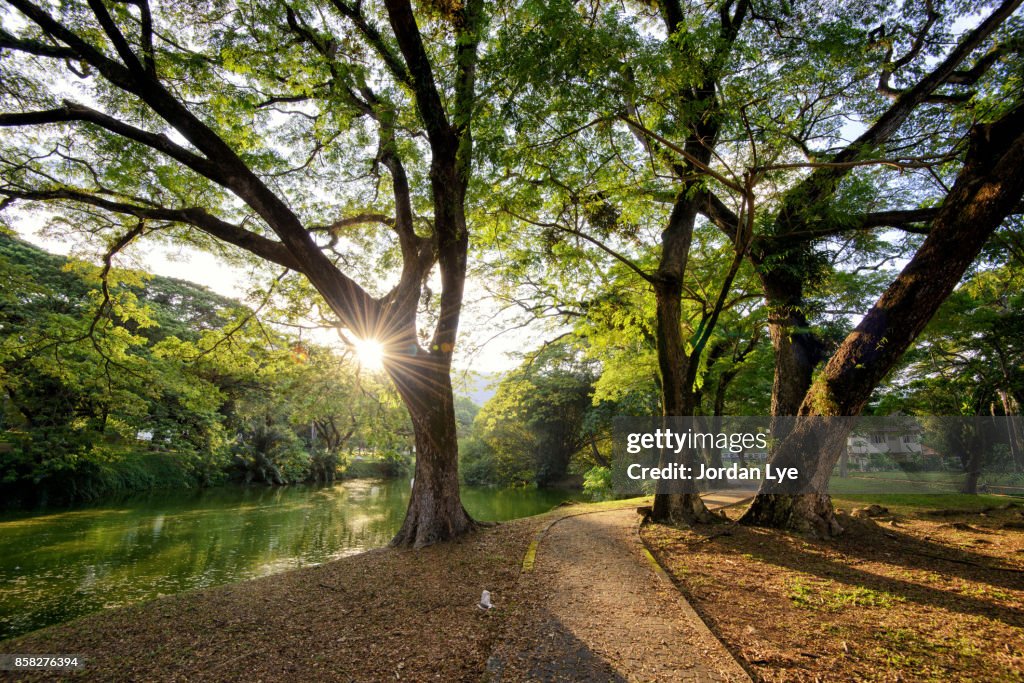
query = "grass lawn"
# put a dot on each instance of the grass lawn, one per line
(872, 483)
(933, 590)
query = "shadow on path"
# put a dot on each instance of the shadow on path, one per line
(595, 609)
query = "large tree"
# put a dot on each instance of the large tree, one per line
(988, 188)
(302, 133)
(915, 98)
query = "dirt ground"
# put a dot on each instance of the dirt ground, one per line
(591, 608)
(899, 597)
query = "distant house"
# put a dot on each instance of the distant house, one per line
(900, 442)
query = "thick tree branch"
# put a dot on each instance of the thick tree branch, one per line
(358, 219)
(916, 46)
(421, 73)
(35, 47)
(889, 122)
(117, 38)
(724, 218)
(194, 216)
(971, 76)
(467, 40)
(908, 220)
(986, 191)
(111, 70)
(822, 180)
(146, 26)
(71, 112)
(373, 36)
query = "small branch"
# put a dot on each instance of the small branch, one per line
(596, 242)
(697, 163)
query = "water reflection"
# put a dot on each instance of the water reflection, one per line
(54, 567)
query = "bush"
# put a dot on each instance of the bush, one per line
(598, 483)
(378, 465)
(88, 473)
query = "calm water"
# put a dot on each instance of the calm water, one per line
(57, 566)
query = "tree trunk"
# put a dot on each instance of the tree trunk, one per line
(423, 379)
(677, 399)
(973, 473)
(975, 452)
(596, 456)
(987, 189)
(435, 511)
(810, 513)
(423, 376)
(797, 350)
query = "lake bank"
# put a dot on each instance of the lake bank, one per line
(62, 564)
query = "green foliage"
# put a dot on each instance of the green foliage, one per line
(477, 464)
(163, 384)
(970, 358)
(534, 427)
(598, 483)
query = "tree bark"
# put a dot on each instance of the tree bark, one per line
(435, 511)
(987, 189)
(673, 363)
(797, 350)
(810, 513)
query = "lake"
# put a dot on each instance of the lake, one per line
(58, 565)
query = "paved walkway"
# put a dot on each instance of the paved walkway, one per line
(600, 610)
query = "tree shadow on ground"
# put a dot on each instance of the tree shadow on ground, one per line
(877, 546)
(915, 553)
(554, 655)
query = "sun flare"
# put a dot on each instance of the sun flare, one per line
(369, 353)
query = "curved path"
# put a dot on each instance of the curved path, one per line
(599, 609)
